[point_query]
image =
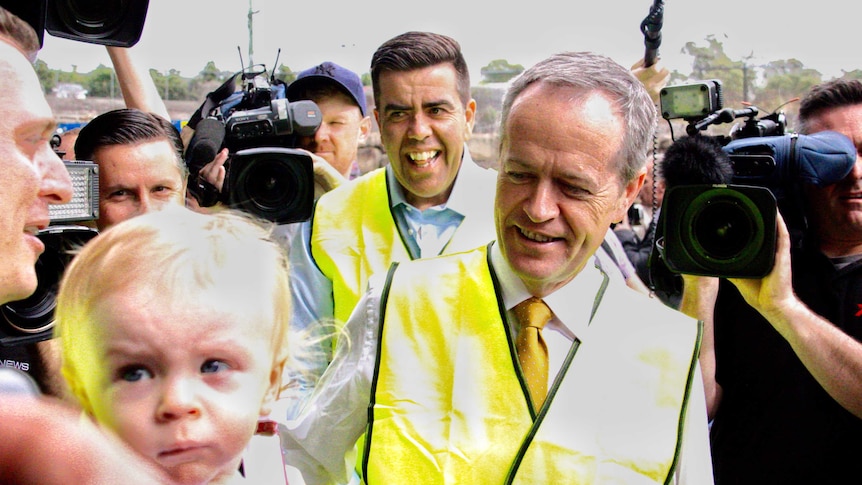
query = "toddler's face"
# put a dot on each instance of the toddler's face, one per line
(182, 380)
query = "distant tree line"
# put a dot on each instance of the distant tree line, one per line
(768, 86)
(101, 82)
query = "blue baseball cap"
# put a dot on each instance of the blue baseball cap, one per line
(331, 71)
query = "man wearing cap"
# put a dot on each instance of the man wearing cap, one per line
(339, 94)
(344, 124)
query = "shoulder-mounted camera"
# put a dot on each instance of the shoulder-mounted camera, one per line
(726, 226)
(266, 175)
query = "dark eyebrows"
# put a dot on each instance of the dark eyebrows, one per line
(427, 105)
(438, 104)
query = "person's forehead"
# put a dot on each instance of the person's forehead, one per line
(154, 159)
(846, 118)
(439, 80)
(154, 148)
(21, 96)
(573, 109)
(339, 101)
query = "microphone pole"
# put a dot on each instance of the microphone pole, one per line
(651, 29)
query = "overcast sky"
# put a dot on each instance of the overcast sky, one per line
(186, 34)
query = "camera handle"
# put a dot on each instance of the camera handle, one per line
(725, 115)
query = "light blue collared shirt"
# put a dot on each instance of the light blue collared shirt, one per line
(426, 232)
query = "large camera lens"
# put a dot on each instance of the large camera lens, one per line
(34, 314)
(724, 229)
(270, 184)
(107, 22)
(92, 19)
(276, 184)
(719, 230)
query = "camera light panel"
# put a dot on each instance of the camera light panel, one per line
(84, 205)
(691, 101)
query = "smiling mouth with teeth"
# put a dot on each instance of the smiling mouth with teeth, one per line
(536, 237)
(422, 159)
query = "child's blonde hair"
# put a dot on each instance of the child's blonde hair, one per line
(228, 252)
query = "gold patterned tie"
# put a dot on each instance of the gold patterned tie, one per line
(532, 315)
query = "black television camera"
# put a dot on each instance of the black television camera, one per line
(266, 176)
(32, 319)
(727, 228)
(106, 22)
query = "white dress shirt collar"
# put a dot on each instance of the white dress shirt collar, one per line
(572, 305)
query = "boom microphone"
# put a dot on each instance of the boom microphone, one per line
(651, 29)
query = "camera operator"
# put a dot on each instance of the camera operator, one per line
(140, 161)
(339, 94)
(344, 124)
(783, 374)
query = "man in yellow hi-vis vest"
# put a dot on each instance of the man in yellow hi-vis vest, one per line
(438, 370)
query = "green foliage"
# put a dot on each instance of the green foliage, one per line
(854, 74)
(711, 62)
(210, 73)
(488, 102)
(172, 86)
(499, 71)
(101, 83)
(769, 87)
(784, 81)
(47, 77)
(285, 74)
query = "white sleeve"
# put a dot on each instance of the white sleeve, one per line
(320, 441)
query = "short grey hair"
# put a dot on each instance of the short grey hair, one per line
(588, 72)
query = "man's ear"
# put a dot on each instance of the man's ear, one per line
(364, 128)
(470, 114)
(629, 193)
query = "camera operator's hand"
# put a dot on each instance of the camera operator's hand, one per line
(772, 294)
(654, 78)
(214, 171)
(832, 357)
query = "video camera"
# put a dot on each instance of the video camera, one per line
(106, 22)
(727, 228)
(32, 319)
(266, 175)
